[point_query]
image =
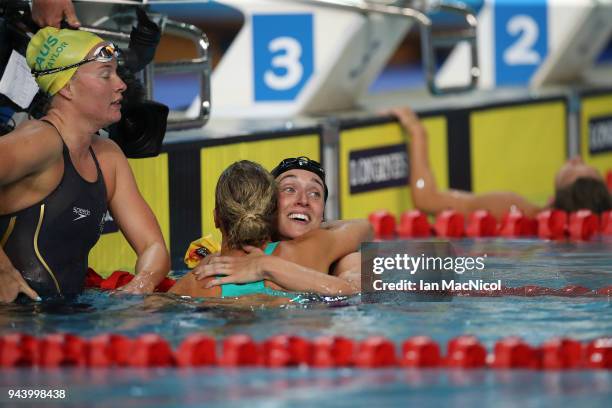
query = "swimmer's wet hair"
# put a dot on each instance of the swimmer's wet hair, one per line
(584, 193)
(246, 203)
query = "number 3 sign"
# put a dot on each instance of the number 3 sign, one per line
(282, 55)
(521, 39)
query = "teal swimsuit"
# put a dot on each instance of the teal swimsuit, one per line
(242, 289)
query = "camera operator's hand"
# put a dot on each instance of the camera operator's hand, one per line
(52, 12)
(11, 282)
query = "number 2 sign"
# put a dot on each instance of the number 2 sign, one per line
(282, 55)
(521, 39)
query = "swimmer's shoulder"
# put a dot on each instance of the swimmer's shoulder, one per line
(33, 147)
(107, 147)
(307, 250)
(109, 155)
(43, 134)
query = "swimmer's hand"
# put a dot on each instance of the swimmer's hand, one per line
(12, 283)
(52, 12)
(408, 119)
(137, 287)
(234, 269)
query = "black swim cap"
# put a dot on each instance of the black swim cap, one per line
(301, 163)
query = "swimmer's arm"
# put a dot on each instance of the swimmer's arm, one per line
(29, 149)
(424, 190)
(137, 223)
(319, 248)
(339, 242)
(297, 278)
(349, 269)
(498, 203)
(335, 224)
(288, 275)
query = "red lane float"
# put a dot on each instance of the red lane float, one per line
(383, 223)
(513, 352)
(375, 352)
(109, 349)
(481, 224)
(420, 351)
(583, 225)
(573, 290)
(599, 353)
(450, 224)
(606, 223)
(239, 350)
(561, 353)
(334, 351)
(466, 352)
(414, 224)
(605, 291)
(535, 290)
(62, 349)
(515, 224)
(283, 350)
(550, 224)
(18, 350)
(197, 350)
(151, 350)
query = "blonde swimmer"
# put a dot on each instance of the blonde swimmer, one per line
(58, 177)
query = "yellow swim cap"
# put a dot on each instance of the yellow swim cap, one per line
(51, 47)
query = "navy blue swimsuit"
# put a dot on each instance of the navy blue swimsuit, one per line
(49, 242)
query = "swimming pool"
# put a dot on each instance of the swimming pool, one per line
(516, 262)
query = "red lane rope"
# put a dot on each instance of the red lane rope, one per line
(120, 278)
(549, 224)
(581, 225)
(151, 350)
(535, 290)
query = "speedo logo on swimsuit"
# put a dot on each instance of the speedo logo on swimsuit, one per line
(80, 213)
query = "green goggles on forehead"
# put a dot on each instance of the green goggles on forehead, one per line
(104, 53)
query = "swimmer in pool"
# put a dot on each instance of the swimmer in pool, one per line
(247, 216)
(58, 177)
(301, 202)
(577, 185)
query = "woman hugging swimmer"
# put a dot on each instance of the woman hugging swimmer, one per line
(246, 210)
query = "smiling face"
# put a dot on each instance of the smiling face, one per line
(99, 88)
(573, 169)
(300, 203)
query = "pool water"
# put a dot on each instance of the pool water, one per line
(514, 262)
